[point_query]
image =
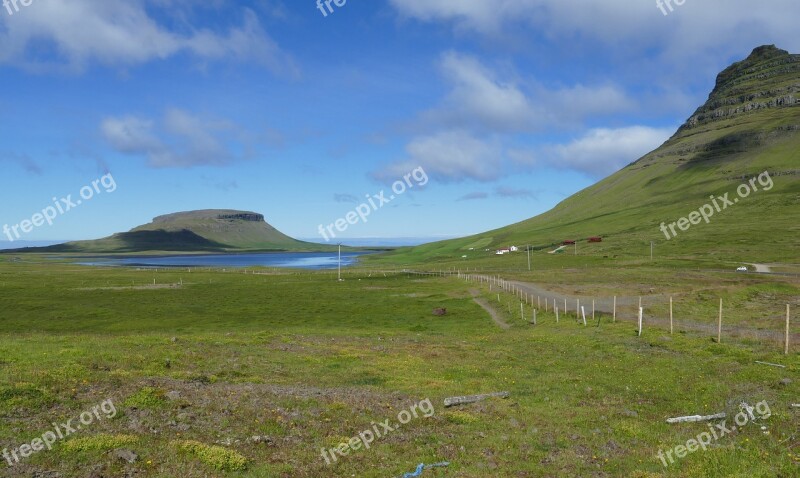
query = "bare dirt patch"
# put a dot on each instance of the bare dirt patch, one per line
(135, 287)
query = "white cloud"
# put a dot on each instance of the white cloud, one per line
(512, 193)
(476, 126)
(475, 14)
(178, 140)
(130, 135)
(699, 30)
(578, 102)
(449, 156)
(601, 152)
(479, 98)
(491, 16)
(474, 196)
(481, 101)
(72, 34)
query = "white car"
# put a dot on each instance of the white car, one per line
(741, 269)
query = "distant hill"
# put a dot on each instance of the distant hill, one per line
(21, 244)
(210, 230)
(750, 124)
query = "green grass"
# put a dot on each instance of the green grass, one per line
(146, 398)
(215, 457)
(252, 375)
(310, 362)
(101, 442)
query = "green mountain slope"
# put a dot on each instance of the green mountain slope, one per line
(750, 124)
(211, 230)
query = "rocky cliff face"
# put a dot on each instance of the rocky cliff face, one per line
(249, 217)
(209, 216)
(768, 78)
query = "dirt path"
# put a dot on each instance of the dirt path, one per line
(488, 308)
(603, 304)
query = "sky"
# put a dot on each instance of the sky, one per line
(488, 112)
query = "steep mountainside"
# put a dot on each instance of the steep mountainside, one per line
(749, 125)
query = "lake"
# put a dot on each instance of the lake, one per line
(296, 260)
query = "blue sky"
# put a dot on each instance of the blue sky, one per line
(509, 106)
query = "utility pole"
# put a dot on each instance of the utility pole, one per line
(340, 262)
(529, 257)
(651, 250)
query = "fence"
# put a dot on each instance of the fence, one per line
(648, 312)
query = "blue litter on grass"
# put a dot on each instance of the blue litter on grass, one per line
(422, 467)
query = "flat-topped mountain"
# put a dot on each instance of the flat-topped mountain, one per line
(209, 230)
(230, 228)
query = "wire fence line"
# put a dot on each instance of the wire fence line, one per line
(626, 308)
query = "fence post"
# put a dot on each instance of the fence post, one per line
(719, 323)
(615, 309)
(640, 321)
(786, 348)
(670, 315)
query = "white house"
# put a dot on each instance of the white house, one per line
(513, 248)
(501, 252)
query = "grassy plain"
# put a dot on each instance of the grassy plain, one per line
(303, 362)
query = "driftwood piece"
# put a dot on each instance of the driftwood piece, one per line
(453, 401)
(696, 418)
(771, 364)
(796, 405)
